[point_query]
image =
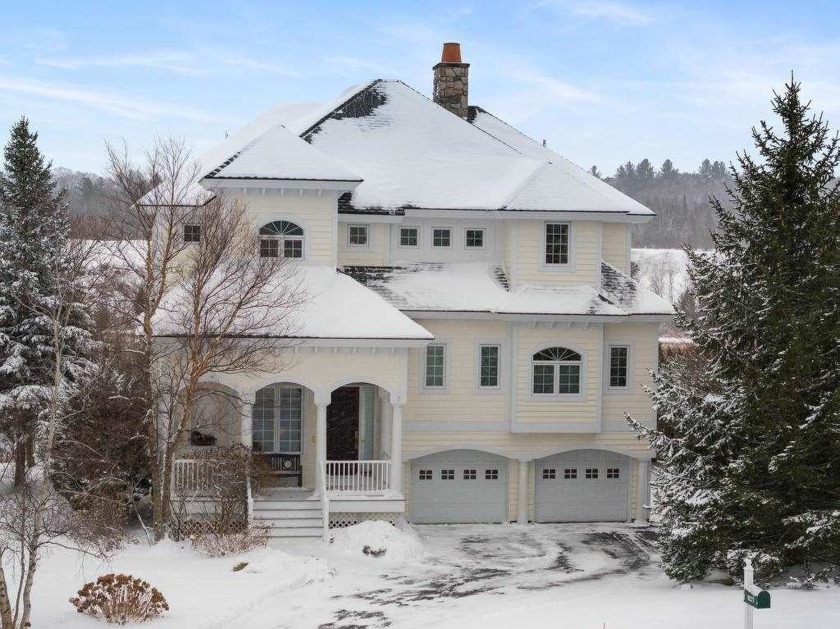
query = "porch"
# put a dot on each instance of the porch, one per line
(346, 444)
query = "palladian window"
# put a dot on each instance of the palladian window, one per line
(281, 239)
(556, 371)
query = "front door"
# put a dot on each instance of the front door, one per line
(343, 425)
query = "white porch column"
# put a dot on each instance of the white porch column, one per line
(384, 424)
(522, 493)
(396, 445)
(642, 491)
(246, 422)
(320, 439)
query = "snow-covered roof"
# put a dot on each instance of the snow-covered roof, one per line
(529, 147)
(477, 287)
(334, 306)
(412, 153)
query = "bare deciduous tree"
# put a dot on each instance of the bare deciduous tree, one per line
(203, 309)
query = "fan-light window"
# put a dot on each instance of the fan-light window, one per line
(556, 371)
(281, 238)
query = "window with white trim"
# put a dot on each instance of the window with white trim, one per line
(474, 239)
(409, 236)
(435, 367)
(357, 235)
(281, 238)
(549, 473)
(591, 472)
(470, 474)
(277, 418)
(556, 371)
(491, 474)
(441, 237)
(488, 357)
(425, 474)
(447, 475)
(570, 473)
(619, 361)
(557, 243)
(192, 233)
(613, 472)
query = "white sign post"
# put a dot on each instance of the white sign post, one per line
(748, 585)
(754, 598)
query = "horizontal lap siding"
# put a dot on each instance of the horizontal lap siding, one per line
(374, 254)
(535, 410)
(315, 214)
(461, 402)
(614, 245)
(644, 355)
(530, 252)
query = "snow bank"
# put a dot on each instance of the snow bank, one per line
(400, 545)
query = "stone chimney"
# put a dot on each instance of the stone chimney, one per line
(451, 80)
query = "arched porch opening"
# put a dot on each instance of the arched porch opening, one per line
(359, 444)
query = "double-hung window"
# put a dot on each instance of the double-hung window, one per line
(192, 233)
(557, 243)
(488, 367)
(409, 236)
(277, 418)
(441, 237)
(619, 366)
(435, 367)
(357, 235)
(474, 239)
(556, 371)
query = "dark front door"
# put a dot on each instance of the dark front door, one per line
(343, 425)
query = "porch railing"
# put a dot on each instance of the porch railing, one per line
(192, 475)
(358, 476)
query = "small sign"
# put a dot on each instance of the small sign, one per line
(760, 599)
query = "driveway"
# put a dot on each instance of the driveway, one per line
(491, 561)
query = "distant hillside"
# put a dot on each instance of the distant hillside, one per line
(680, 200)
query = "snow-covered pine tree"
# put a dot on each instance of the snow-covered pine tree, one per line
(37, 287)
(749, 435)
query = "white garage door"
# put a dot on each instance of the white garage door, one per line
(582, 486)
(459, 486)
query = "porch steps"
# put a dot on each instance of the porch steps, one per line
(287, 517)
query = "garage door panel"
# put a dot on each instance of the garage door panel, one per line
(582, 489)
(465, 486)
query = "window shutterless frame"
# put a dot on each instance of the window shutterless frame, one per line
(557, 243)
(358, 235)
(192, 233)
(409, 237)
(434, 367)
(489, 366)
(441, 237)
(557, 372)
(474, 238)
(618, 375)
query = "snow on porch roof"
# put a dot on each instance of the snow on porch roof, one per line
(335, 306)
(475, 287)
(412, 153)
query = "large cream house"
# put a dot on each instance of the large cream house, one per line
(472, 340)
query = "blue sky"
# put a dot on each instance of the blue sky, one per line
(602, 81)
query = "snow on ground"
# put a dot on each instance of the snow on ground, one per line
(569, 576)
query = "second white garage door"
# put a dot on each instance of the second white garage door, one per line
(582, 486)
(459, 486)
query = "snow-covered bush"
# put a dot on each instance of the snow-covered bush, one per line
(378, 540)
(120, 599)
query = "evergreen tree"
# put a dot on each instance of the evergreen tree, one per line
(751, 461)
(644, 172)
(593, 170)
(36, 290)
(667, 172)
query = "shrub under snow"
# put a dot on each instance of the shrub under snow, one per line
(120, 599)
(372, 537)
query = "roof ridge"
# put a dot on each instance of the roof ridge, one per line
(341, 105)
(241, 150)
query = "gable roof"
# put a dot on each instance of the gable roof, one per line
(413, 154)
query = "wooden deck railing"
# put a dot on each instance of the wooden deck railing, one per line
(358, 476)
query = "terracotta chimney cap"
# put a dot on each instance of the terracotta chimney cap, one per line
(451, 53)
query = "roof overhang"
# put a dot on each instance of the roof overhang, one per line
(503, 214)
(537, 316)
(281, 184)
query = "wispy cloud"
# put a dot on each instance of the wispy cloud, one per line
(123, 106)
(193, 62)
(610, 10)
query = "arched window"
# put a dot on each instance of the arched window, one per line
(556, 371)
(281, 238)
